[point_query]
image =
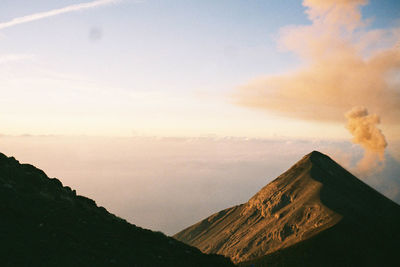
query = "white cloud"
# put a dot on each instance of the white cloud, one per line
(55, 12)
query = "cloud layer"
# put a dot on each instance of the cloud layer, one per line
(168, 183)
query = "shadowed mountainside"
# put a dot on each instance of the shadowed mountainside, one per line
(314, 214)
(43, 223)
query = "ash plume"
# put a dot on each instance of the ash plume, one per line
(363, 127)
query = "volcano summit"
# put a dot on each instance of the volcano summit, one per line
(315, 214)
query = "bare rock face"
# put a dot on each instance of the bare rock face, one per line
(314, 195)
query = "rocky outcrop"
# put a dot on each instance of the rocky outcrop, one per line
(44, 223)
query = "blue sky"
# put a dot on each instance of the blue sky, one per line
(153, 67)
(172, 41)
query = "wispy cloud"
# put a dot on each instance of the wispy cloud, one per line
(55, 12)
(7, 58)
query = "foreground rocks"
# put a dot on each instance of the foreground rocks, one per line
(43, 223)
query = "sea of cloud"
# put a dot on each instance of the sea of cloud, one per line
(167, 184)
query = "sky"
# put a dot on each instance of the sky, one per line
(167, 68)
(188, 107)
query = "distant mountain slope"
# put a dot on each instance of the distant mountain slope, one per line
(43, 223)
(314, 214)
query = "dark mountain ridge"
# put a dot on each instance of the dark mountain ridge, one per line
(43, 223)
(314, 214)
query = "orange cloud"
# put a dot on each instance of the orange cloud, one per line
(344, 66)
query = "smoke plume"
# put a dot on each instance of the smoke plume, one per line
(344, 65)
(363, 127)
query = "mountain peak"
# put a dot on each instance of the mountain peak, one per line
(308, 174)
(317, 155)
(314, 195)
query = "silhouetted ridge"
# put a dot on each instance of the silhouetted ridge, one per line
(44, 223)
(314, 214)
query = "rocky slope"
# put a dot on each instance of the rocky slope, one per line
(314, 214)
(43, 223)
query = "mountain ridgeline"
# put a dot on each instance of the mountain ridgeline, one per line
(43, 223)
(314, 214)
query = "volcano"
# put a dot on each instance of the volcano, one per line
(315, 214)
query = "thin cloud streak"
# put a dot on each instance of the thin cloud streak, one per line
(7, 58)
(55, 12)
